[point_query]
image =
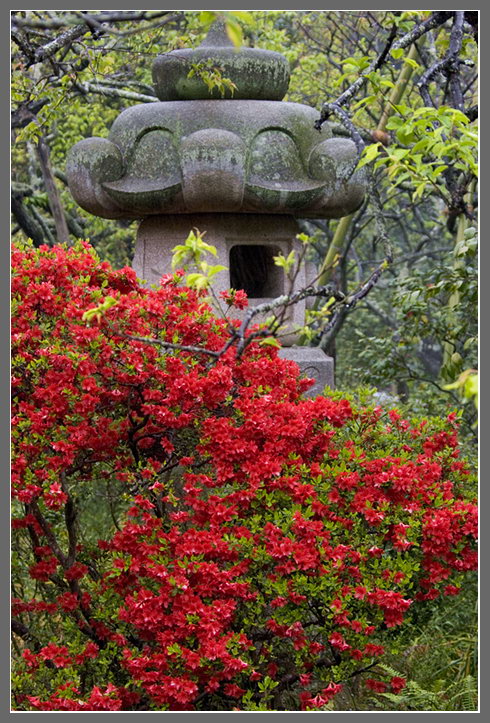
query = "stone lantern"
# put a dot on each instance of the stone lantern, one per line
(242, 167)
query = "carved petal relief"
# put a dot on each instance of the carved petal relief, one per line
(277, 177)
(153, 176)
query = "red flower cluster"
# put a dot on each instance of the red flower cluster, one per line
(395, 685)
(235, 297)
(309, 702)
(253, 540)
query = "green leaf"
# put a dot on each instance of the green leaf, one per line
(235, 33)
(245, 17)
(207, 18)
(437, 171)
(399, 153)
(471, 386)
(405, 136)
(396, 53)
(412, 63)
(197, 281)
(394, 122)
(98, 311)
(368, 100)
(285, 263)
(419, 191)
(270, 341)
(370, 152)
(211, 271)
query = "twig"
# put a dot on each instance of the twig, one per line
(66, 38)
(362, 670)
(343, 116)
(25, 113)
(102, 28)
(332, 108)
(239, 335)
(450, 65)
(103, 17)
(349, 303)
(23, 632)
(438, 18)
(380, 226)
(341, 130)
(70, 522)
(335, 108)
(282, 301)
(168, 344)
(87, 87)
(52, 541)
(43, 223)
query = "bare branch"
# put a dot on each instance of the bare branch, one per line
(29, 225)
(282, 301)
(70, 522)
(103, 28)
(52, 541)
(348, 305)
(103, 17)
(66, 38)
(239, 335)
(341, 130)
(343, 116)
(449, 65)
(24, 114)
(168, 344)
(438, 18)
(329, 109)
(23, 632)
(380, 226)
(332, 108)
(88, 87)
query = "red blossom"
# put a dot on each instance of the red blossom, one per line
(76, 571)
(235, 297)
(233, 690)
(397, 684)
(233, 499)
(378, 686)
(338, 642)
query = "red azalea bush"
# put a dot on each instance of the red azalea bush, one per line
(259, 549)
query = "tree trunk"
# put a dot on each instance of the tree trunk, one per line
(52, 191)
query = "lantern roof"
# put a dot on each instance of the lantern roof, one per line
(252, 73)
(198, 150)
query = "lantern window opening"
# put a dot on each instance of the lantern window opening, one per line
(252, 269)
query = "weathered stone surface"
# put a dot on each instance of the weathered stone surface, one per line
(345, 196)
(313, 363)
(257, 74)
(265, 157)
(90, 163)
(197, 152)
(157, 237)
(213, 170)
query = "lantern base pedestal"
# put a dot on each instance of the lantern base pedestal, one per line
(313, 363)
